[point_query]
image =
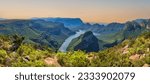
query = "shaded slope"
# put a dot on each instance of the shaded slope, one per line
(86, 42)
(36, 31)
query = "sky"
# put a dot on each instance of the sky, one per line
(88, 10)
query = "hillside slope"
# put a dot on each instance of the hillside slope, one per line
(86, 42)
(37, 31)
(130, 53)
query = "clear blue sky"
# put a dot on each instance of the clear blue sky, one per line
(88, 10)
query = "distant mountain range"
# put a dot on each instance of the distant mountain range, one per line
(110, 35)
(101, 29)
(68, 22)
(52, 32)
(2, 18)
(68, 42)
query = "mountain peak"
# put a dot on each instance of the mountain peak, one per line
(89, 43)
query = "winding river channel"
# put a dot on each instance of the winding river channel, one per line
(65, 45)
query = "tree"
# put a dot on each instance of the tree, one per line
(17, 41)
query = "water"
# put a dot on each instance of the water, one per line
(65, 45)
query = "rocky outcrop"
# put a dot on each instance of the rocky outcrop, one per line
(125, 50)
(134, 57)
(89, 43)
(51, 62)
(146, 65)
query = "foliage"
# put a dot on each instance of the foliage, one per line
(24, 55)
(76, 59)
(3, 56)
(29, 55)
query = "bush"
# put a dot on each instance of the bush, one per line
(3, 56)
(73, 59)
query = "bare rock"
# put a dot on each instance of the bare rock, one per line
(127, 46)
(125, 52)
(134, 57)
(25, 60)
(27, 57)
(148, 50)
(51, 61)
(125, 49)
(146, 65)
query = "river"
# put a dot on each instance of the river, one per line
(65, 45)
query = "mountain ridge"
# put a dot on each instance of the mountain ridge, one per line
(128, 47)
(68, 22)
(33, 29)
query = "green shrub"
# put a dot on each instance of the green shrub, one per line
(3, 56)
(70, 59)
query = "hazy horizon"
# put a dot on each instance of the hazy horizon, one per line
(101, 11)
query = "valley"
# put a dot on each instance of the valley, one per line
(66, 43)
(69, 42)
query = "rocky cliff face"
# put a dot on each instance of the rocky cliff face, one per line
(89, 43)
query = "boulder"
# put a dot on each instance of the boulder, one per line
(51, 61)
(134, 57)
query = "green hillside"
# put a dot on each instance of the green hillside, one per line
(130, 53)
(34, 43)
(38, 32)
